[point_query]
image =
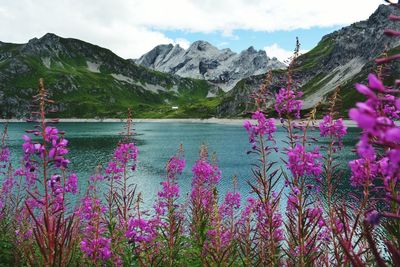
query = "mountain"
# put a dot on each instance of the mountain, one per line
(341, 58)
(90, 81)
(204, 61)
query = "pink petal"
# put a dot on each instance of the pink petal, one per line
(393, 135)
(365, 90)
(375, 83)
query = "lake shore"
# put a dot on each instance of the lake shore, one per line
(348, 123)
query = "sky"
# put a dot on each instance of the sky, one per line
(131, 28)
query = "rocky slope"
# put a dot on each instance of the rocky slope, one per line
(204, 61)
(341, 58)
(89, 81)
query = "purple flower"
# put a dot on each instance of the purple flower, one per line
(333, 128)
(263, 127)
(230, 204)
(393, 135)
(56, 153)
(169, 190)
(365, 90)
(97, 248)
(261, 214)
(287, 103)
(7, 186)
(175, 166)
(373, 217)
(51, 134)
(115, 169)
(375, 83)
(222, 232)
(205, 179)
(365, 149)
(126, 152)
(205, 173)
(95, 245)
(72, 184)
(364, 115)
(5, 155)
(292, 202)
(375, 117)
(301, 162)
(397, 103)
(363, 171)
(141, 230)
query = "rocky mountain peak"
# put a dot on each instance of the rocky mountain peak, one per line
(85, 78)
(365, 39)
(251, 50)
(154, 55)
(340, 59)
(49, 44)
(381, 14)
(201, 46)
(52, 46)
(47, 38)
(202, 60)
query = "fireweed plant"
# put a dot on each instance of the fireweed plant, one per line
(293, 216)
(45, 227)
(170, 212)
(260, 226)
(305, 229)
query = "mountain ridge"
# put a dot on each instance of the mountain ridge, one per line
(340, 59)
(202, 60)
(88, 81)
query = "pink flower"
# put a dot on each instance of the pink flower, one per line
(175, 166)
(398, 103)
(301, 162)
(205, 173)
(95, 245)
(263, 127)
(373, 217)
(141, 230)
(5, 155)
(363, 171)
(169, 190)
(126, 152)
(329, 127)
(375, 83)
(287, 103)
(72, 184)
(51, 134)
(230, 204)
(364, 115)
(365, 90)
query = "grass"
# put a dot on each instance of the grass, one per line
(313, 58)
(86, 94)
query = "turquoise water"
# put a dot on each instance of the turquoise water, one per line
(93, 143)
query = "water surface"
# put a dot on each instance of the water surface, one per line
(92, 143)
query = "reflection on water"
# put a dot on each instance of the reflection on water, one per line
(93, 143)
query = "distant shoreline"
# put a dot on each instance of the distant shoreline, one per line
(348, 123)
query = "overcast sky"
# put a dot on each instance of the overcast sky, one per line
(132, 27)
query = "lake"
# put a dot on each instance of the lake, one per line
(92, 143)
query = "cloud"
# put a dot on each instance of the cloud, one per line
(281, 54)
(261, 15)
(132, 27)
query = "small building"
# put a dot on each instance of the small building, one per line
(175, 107)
